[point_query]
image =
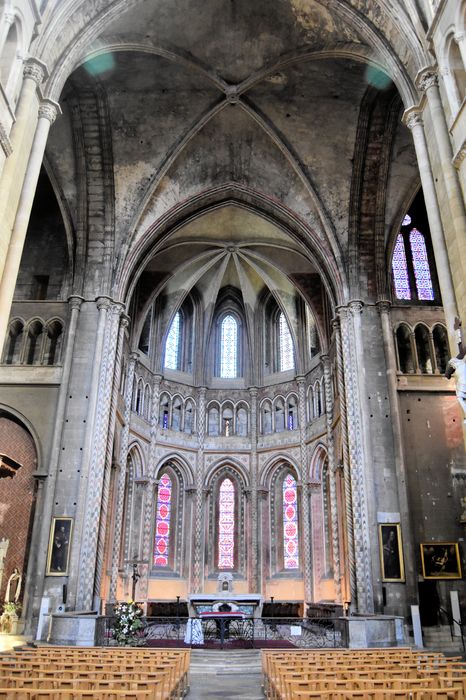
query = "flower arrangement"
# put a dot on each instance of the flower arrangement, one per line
(127, 623)
(9, 617)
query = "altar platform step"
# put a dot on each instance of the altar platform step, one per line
(229, 674)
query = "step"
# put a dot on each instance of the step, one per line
(225, 674)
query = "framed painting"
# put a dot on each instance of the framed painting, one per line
(59, 547)
(391, 552)
(440, 560)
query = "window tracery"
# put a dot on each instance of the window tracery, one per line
(285, 344)
(290, 524)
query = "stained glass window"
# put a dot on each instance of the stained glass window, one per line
(226, 525)
(162, 525)
(229, 347)
(172, 346)
(290, 523)
(425, 291)
(285, 345)
(400, 270)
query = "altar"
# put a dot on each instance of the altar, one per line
(249, 604)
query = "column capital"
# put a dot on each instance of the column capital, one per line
(8, 17)
(48, 109)
(35, 70)
(427, 78)
(356, 306)
(75, 301)
(124, 320)
(103, 302)
(412, 117)
(459, 37)
(460, 155)
(134, 356)
(300, 379)
(383, 305)
(253, 390)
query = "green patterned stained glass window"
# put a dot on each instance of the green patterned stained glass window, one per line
(172, 346)
(285, 345)
(229, 347)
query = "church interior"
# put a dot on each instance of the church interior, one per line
(232, 287)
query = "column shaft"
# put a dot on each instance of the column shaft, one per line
(47, 115)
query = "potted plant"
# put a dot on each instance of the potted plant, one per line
(127, 624)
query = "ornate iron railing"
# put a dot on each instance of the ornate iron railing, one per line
(229, 633)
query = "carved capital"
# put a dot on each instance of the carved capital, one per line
(253, 390)
(356, 306)
(49, 110)
(460, 156)
(8, 17)
(75, 301)
(190, 490)
(124, 320)
(461, 36)
(335, 323)
(263, 493)
(35, 70)
(103, 302)
(426, 79)
(412, 118)
(383, 306)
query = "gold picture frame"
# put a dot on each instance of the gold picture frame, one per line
(440, 560)
(391, 553)
(59, 546)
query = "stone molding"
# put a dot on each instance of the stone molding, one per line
(460, 156)
(5, 142)
(427, 78)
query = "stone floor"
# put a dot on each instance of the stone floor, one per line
(228, 674)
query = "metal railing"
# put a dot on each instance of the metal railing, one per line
(452, 622)
(224, 633)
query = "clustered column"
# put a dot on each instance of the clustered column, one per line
(123, 455)
(197, 567)
(255, 581)
(306, 529)
(332, 471)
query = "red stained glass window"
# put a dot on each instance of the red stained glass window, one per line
(290, 523)
(226, 525)
(162, 526)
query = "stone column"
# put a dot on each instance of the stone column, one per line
(47, 114)
(124, 323)
(100, 405)
(332, 471)
(306, 552)
(8, 17)
(197, 571)
(120, 498)
(413, 121)
(151, 486)
(460, 39)
(400, 466)
(34, 74)
(255, 557)
(39, 551)
(357, 442)
(427, 82)
(346, 464)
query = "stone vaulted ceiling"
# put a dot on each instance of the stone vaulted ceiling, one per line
(174, 100)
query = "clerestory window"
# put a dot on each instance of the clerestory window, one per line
(229, 347)
(285, 345)
(173, 343)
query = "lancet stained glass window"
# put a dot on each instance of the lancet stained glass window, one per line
(285, 345)
(229, 347)
(290, 523)
(226, 525)
(400, 270)
(162, 524)
(422, 275)
(172, 346)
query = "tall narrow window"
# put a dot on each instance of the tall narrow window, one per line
(173, 344)
(290, 524)
(421, 267)
(162, 526)
(226, 525)
(400, 270)
(229, 347)
(285, 344)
